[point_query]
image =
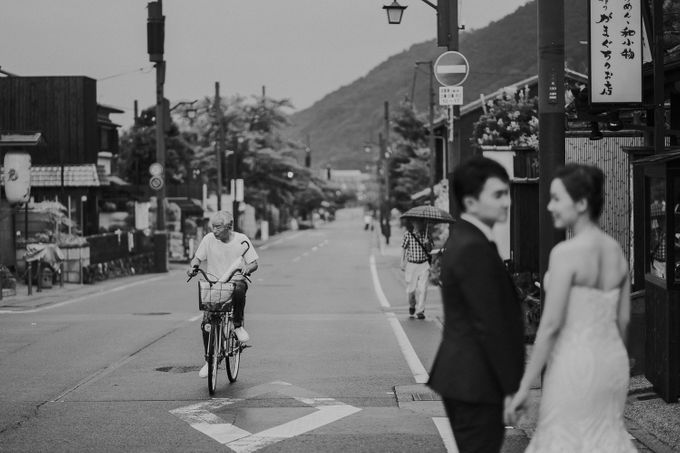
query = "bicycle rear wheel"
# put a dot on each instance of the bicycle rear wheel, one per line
(233, 351)
(213, 356)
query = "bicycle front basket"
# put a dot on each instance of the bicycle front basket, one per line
(216, 297)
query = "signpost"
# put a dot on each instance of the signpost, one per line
(156, 180)
(451, 68)
(450, 95)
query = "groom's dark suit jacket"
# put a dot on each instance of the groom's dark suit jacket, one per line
(481, 357)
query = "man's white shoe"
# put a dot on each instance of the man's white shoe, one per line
(204, 371)
(241, 334)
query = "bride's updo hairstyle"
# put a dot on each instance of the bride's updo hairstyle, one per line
(584, 182)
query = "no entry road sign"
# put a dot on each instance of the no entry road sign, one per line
(451, 68)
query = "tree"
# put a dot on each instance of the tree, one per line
(138, 151)
(409, 162)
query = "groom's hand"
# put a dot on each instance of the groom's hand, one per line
(510, 417)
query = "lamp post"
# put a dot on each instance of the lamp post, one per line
(447, 36)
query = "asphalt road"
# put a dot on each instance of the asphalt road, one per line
(335, 363)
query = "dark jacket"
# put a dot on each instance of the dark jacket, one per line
(481, 357)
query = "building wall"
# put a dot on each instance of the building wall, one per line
(64, 109)
(607, 155)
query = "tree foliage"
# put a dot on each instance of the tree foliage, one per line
(409, 161)
(254, 151)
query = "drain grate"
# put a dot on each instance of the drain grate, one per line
(156, 313)
(425, 397)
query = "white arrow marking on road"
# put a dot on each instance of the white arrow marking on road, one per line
(452, 69)
(444, 428)
(200, 417)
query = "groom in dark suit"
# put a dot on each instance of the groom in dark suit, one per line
(481, 357)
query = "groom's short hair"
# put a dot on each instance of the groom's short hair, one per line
(470, 176)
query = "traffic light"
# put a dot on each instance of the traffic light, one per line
(155, 32)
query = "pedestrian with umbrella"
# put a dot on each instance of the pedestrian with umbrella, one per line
(416, 259)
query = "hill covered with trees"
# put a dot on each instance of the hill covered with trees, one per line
(500, 54)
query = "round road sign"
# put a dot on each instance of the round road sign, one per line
(156, 182)
(155, 169)
(451, 68)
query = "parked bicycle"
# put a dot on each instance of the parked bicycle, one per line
(215, 298)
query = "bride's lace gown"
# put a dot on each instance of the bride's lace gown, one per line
(586, 381)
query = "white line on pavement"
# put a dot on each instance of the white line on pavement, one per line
(376, 284)
(444, 428)
(417, 368)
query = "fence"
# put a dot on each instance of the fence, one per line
(116, 255)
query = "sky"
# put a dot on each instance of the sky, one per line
(301, 50)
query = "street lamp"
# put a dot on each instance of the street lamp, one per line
(394, 12)
(189, 112)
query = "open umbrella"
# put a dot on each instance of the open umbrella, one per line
(428, 213)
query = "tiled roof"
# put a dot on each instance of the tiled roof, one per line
(84, 175)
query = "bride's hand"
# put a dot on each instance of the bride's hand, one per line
(515, 406)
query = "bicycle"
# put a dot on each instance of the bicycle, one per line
(215, 298)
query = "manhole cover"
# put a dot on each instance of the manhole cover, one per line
(178, 369)
(158, 313)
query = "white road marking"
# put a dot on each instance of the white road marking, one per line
(296, 259)
(444, 428)
(81, 298)
(417, 369)
(195, 318)
(376, 284)
(200, 417)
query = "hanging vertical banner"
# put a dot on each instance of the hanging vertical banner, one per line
(615, 48)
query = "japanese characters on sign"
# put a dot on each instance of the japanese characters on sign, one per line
(615, 51)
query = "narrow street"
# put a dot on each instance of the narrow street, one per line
(336, 364)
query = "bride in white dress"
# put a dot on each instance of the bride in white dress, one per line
(582, 333)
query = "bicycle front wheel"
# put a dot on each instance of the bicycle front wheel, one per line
(213, 357)
(233, 351)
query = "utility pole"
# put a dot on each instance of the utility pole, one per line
(550, 116)
(219, 143)
(447, 36)
(155, 48)
(308, 153)
(385, 226)
(433, 151)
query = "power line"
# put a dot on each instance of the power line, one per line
(144, 69)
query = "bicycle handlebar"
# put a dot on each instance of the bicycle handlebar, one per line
(198, 270)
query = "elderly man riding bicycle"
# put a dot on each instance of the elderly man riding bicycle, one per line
(224, 250)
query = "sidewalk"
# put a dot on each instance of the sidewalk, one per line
(653, 424)
(21, 301)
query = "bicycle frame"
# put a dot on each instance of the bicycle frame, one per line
(223, 343)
